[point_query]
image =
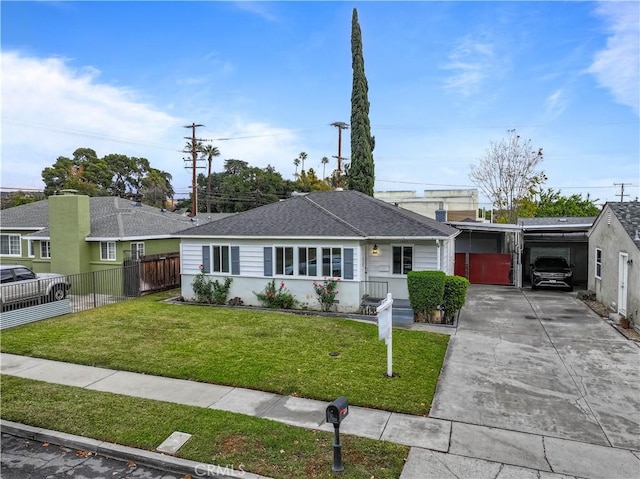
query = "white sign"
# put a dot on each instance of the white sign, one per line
(385, 323)
(385, 316)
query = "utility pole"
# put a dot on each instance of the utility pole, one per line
(194, 156)
(621, 185)
(340, 125)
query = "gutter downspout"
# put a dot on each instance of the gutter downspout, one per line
(438, 255)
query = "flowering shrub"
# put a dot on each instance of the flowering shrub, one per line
(210, 292)
(276, 297)
(326, 291)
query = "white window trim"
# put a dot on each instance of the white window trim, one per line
(294, 250)
(213, 261)
(115, 252)
(413, 258)
(296, 261)
(42, 243)
(138, 245)
(31, 248)
(10, 235)
(595, 260)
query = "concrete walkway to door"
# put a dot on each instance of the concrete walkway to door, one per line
(528, 374)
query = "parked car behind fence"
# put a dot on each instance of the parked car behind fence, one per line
(21, 287)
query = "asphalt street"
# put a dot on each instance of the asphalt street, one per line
(28, 459)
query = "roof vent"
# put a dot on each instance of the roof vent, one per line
(562, 220)
(637, 238)
(339, 189)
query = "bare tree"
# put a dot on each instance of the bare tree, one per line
(507, 174)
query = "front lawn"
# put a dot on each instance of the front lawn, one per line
(245, 443)
(306, 356)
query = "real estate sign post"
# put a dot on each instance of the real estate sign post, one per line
(385, 320)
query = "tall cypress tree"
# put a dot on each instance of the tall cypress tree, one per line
(361, 170)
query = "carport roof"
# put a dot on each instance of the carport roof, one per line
(565, 223)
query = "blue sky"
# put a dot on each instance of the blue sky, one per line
(445, 80)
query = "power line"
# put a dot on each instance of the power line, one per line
(194, 154)
(622, 185)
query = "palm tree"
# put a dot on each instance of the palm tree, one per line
(302, 156)
(297, 163)
(209, 151)
(324, 162)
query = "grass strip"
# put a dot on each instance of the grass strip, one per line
(246, 443)
(284, 353)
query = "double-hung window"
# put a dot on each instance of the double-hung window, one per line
(107, 251)
(598, 263)
(32, 248)
(10, 245)
(221, 259)
(45, 249)
(332, 262)
(284, 260)
(402, 259)
(308, 261)
(137, 250)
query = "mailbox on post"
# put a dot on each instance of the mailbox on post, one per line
(337, 410)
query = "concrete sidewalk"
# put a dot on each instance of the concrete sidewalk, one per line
(440, 448)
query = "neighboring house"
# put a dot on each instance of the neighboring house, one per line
(72, 234)
(442, 205)
(614, 258)
(334, 234)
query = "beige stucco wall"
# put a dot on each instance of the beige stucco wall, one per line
(612, 239)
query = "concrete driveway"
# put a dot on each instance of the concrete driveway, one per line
(542, 363)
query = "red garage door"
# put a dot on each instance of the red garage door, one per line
(484, 268)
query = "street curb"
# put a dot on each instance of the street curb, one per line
(156, 460)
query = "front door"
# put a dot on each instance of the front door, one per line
(623, 275)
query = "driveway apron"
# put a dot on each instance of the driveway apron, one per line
(541, 362)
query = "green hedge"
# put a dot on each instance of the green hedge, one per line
(426, 291)
(455, 294)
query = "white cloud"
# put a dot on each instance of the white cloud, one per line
(556, 103)
(49, 109)
(471, 62)
(617, 66)
(259, 8)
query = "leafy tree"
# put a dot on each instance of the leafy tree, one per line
(550, 203)
(309, 181)
(362, 173)
(114, 175)
(507, 175)
(18, 198)
(241, 187)
(156, 188)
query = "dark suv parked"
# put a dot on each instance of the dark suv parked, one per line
(551, 272)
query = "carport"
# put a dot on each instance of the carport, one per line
(488, 253)
(566, 237)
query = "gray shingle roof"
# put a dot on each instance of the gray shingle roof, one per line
(565, 220)
(326, 214)
(628, 213)
(111, 217)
